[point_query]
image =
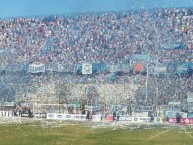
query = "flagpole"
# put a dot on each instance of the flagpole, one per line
(146, 84)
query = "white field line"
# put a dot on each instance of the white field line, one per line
(187, 133)
(159, 134)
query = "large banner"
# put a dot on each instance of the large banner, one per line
(65, 116)
(67, 67)
(186, 121)
(118, 68)
(144, 108)
(99, 67)
(182, 68)
(182, 120)
(52, 67)
(124, 68)
(172, 114)
(36, 68)
(63, 67)
(113, 68)
(72, 68)
(86, 68)
(79, 117)
(140, 119)
(161, 69)
(171, 120)
(93, 108)
(172, 46)
(175, 106)
(37, 115)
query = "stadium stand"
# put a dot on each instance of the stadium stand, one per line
(135, 58)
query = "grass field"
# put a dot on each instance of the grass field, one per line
(79, 133)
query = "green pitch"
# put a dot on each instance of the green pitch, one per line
(79, 133)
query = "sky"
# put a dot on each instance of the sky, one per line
(23, 8)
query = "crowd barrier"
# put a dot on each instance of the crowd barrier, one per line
(59, 116)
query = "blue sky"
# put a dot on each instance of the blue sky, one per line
(17, 8)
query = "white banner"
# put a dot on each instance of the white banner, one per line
(144, 108)
(140, 119)
(65, 116)
(36, 68)
(79, 117)
(161, 69)
(86, 68)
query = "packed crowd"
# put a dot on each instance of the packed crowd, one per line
(103, 37)
(108, 37)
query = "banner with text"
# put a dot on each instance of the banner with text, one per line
(176, 106)
(36, 68)
(144, 108)
(67, 67)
